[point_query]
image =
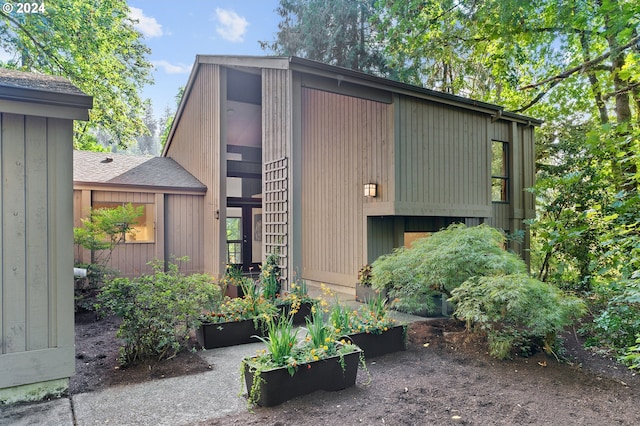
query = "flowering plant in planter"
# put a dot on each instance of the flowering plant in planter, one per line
(236, 320)
(251, 306)
(289, 366)
(370, 327)
(296, 303)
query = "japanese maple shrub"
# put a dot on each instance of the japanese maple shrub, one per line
(440, 263)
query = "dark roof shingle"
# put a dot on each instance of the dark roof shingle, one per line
(135, 170)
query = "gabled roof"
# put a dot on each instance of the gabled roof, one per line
(132, 171)
(341, 75)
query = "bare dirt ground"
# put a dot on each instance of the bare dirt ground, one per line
(445, 377)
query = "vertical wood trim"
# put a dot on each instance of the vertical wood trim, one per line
(14, 234)
(160, 228)
(37, 224)
(3, 282)
(60, 181)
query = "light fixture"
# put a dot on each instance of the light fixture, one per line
(370, 189)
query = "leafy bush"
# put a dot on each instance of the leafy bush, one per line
(632, 355)
(157, 310)
(440, 263)
(619, 322)
(517, 312)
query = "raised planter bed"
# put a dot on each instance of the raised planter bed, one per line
(218, 335)
(276, 386)
(373, 345)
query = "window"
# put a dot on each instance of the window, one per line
(234, 236)
(144, 229)
(499, 172)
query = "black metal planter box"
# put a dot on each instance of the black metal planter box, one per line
(277, 386)
(223, 334)
(299, 317)
(373, 345)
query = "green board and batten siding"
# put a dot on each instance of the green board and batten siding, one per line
(36, 295)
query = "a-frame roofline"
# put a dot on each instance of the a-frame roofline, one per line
(256, 63)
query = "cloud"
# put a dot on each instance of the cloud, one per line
(232, 26)
(170, 68)
(147, 25)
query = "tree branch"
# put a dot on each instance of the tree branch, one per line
(583, 66)
(538, 97)
(627, 89)
(34, 40)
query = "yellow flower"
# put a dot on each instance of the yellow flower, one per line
(337, 330)
(327, 339)
(325, 347)
(315, 358)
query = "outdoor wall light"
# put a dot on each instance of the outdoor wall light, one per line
(370, 189)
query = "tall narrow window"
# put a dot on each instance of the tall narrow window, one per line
(499, 172)
(234, 236)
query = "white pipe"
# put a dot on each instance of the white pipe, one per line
(80, 272)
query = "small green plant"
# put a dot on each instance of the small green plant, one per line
(319, 334)
(280, 341)
(250, 306)
(516, 311)
(632, 355)
(100, 233)
(270, 276)
(158, 310)
(372, 317)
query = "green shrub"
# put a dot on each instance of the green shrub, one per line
(618, 324)
(519, 313)
(632, 355)
(440, 263)
(157, 310)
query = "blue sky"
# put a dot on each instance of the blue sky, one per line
(176, 31)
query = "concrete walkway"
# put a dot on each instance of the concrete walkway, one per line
(172, 401)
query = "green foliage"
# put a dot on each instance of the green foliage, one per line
(334, 32)
(372, 317)
(440, 263)
(618, 324)
(632, 355)
(280, 340)
(105, 228)
(517, 312)
(157, 310)
(270, 276)
(94, 44)
(319, 334)
(252, 305)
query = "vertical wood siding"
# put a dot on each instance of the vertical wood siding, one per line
(197, 146)
(437, 168)
(36, 287)
(184, 230)
(346, 142)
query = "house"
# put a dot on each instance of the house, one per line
(331, 168)
(171, 199)
(37, 352)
